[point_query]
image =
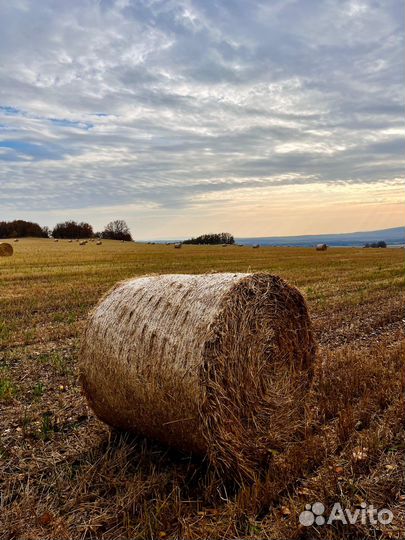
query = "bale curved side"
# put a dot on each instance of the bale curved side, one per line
(6, 249)
(215, 364)
(141, 354)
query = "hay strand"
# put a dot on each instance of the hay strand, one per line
(6, 249)
(215, 364)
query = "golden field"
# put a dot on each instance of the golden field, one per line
(65, 475)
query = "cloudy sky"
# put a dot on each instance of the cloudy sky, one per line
(260, 117)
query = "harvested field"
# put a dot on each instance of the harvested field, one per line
(64, 475)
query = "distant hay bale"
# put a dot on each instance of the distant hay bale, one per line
(70, 241)
(55, 240)
(6, 249)
(177, 246)
(98, 243)
(82, 242)
(215, 364)
(255, 246)
(321, 247)
(16, 240)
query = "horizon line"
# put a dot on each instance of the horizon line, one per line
(161, 239)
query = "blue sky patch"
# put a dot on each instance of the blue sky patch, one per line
(19, 149)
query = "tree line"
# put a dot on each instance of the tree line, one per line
(380, 244)
(19, 228)
(219, 238)
(115, 230)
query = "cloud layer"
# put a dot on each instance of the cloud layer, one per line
(176, 108)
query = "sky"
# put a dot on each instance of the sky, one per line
(259, 117)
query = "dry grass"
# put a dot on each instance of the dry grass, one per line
(64, 475)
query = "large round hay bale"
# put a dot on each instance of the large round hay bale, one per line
(6, 249)
(215, 364)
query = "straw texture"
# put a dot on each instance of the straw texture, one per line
(6, 249)
(215, 364)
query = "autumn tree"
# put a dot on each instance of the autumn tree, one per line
(117, 230)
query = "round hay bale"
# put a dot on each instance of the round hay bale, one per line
(6, 249)
(98, 243)
(215, 364)
(177, 246)
(56, 240)
(16, 240)
(83, 243)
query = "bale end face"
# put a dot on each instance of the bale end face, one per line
(216, 364)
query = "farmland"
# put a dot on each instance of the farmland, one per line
(66, 475)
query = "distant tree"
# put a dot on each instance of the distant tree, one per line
(87, 229)
(117, 230)
(219, 238)
(19, 228)
(46, 232)
(71, 229)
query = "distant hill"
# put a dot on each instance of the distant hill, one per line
(394, 236)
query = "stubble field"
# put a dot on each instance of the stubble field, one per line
(65, 475)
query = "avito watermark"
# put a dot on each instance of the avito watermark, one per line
(366, 514)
